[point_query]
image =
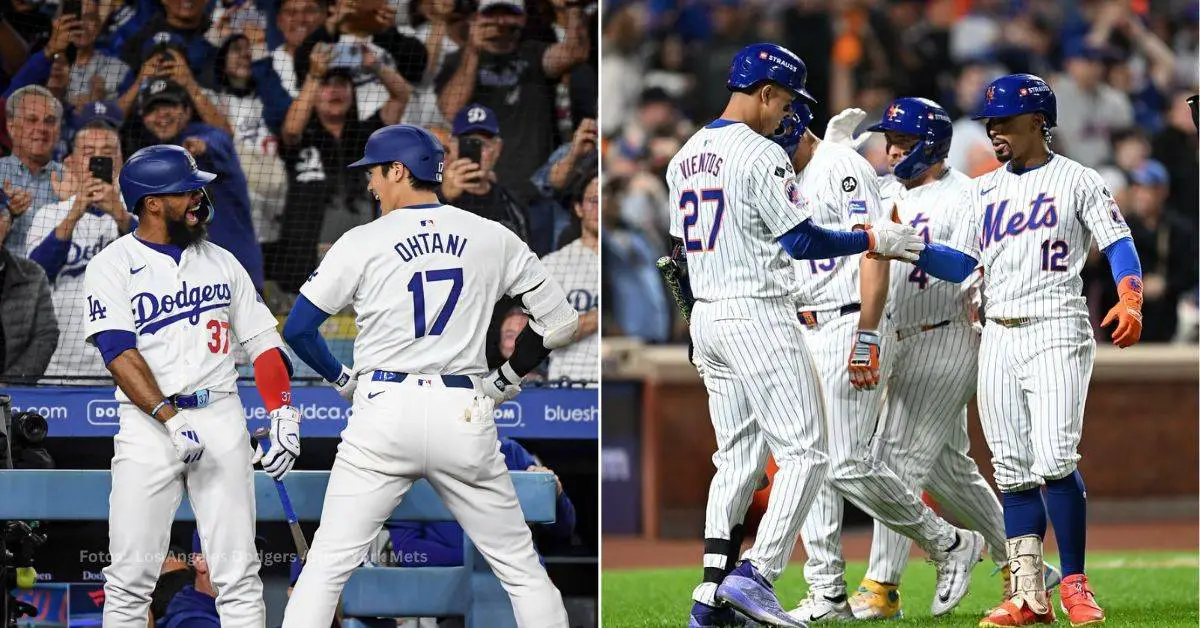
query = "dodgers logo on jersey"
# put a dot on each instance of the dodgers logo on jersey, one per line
(1042, 214)
(153, 312)
(581, 300)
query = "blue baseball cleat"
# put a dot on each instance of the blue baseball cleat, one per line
(748, 592)
(705, 616)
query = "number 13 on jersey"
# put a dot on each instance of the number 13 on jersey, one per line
(693, 202)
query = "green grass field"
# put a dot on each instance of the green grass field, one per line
(1135, 588)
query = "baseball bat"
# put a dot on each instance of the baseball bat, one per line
(670, 272)
(264, 438)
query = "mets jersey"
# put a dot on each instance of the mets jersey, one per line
(1031, 231)
(186, 316)
(731, 196)
(577, 268)
(914, 297)
(842, 190)
(423, 281)
(65, 263)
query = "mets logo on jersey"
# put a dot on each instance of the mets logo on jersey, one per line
(793, 192)
(152, 312)
(1043, 214)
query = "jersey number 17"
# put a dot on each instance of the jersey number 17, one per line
(416, 286)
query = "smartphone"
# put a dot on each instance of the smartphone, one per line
(470, 148)
(72, 7)
(101, 168)
(346, 55)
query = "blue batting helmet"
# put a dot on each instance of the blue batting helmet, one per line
(162, 169)
(792, 128)
(410, 145)
(768, 62)
(929, 122)
(1016, 94)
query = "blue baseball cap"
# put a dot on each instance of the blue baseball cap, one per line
(163, 40)
(475, 118)
(105, 110)
(1151, 173)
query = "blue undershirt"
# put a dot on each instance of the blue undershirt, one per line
(302, 333)
(953, 265)
(807, 240)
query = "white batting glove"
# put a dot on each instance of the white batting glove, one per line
(184, 439)
(345, 384)
(502, 384)
(283, 446)
(840, 129)
(891, 240)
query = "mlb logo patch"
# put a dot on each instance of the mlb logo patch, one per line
(858, 206)
(427, 222)
(421, 381)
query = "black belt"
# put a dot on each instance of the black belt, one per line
(813, 318)
(450, 381)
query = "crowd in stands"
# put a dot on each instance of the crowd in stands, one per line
(277, 97)
(1121, 69)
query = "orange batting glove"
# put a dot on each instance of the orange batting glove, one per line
(864, 360)
(1127, 313)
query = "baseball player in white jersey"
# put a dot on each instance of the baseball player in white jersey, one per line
(164, 308)
(1030, 224)
(423, 279)
(68, 234)
(576, 267)
(737, 217)
(848, 338)
(930, 365)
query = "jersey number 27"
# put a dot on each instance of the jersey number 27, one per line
(689, 201)
(416, 286)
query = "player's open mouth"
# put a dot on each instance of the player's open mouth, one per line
(192, 216)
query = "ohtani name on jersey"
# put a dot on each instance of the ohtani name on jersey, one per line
(426, 243)
(703, 163)
(1042, 214)
(153, 312)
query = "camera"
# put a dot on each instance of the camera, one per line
(22, 438)
(18, 543)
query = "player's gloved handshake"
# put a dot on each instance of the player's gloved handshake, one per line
(184, 439)
(502, 384)
(279, 455)
(890, 240)
(864, 360)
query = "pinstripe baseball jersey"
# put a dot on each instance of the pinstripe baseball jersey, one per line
(731, 195)
(841, 190)
(914, 297)
(576, 266)
(1034, 230)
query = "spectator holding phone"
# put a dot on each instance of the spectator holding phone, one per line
(165, 117)
(70, 232)
(437, 23)
(188, 22)
(92, 75)
(163, 58)
(34, 121)
(28, 329)
(321, 135)
(576, 266)
(470, 180)
(567, 166)
(296, 20)
(514, 78)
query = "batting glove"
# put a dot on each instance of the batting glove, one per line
(840, 129)
(502, 384)
(345, 384)
(889, 240)
(184, 439)
(279, 454)
(1127, 313)
(864, 360)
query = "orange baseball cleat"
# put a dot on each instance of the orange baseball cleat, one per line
(1009, 614)
(1079, 603)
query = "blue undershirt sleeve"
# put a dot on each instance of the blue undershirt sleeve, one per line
(301, 331)
(809, 241)
(1123, 259)
(946, 263)
(114, 342)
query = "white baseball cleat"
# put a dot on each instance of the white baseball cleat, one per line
(817, 607)
(954, 571)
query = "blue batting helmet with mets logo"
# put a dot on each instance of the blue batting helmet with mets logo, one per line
(792, 128)
(1015, 94)
(768, 62)
(929, 122)
(410, 145)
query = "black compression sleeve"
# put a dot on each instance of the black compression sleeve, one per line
(529, 352)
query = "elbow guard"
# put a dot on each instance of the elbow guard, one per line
(550, 316)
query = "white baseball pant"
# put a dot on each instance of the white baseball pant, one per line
(407, 431)
(147, 485)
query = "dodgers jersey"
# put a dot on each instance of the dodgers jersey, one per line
(94, 231)
(577, 268)
(915, 297)
(186, 316)
(732, 195)
(1031, 231)
(841, 190)
(423, 280)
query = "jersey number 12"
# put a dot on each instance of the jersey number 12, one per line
(416, 286)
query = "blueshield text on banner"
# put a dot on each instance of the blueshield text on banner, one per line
(537, 413)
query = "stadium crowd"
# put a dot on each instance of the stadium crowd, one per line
(276, 97)
(1122, 71)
